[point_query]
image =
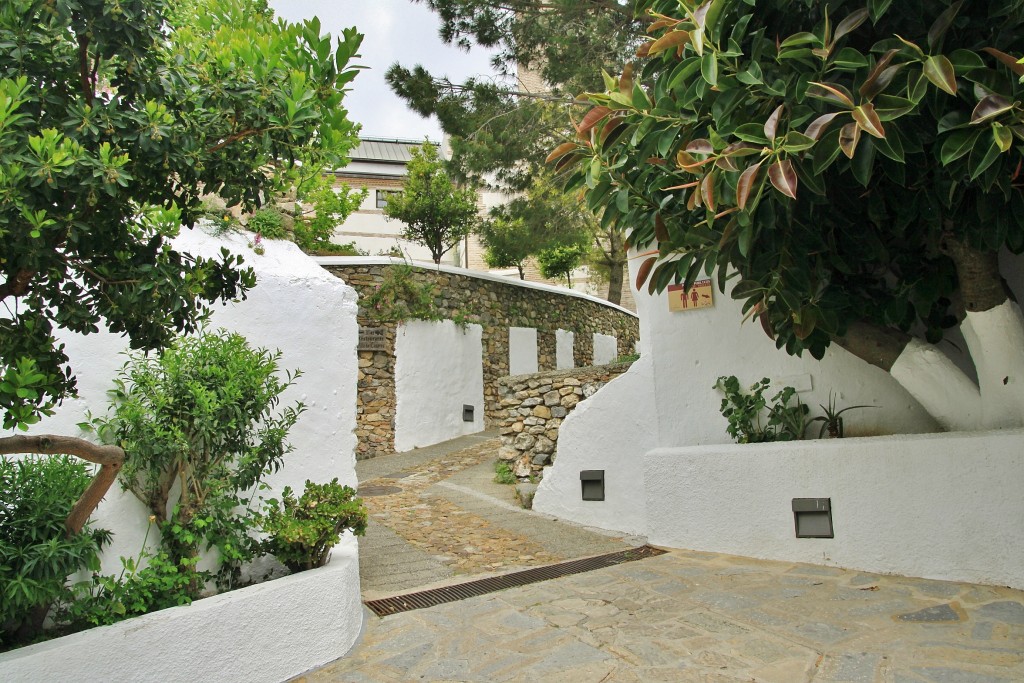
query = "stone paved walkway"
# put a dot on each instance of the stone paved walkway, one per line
(683, 616)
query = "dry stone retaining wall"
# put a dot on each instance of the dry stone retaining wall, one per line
(534, 407)
(496, 304)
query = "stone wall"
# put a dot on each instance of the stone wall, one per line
(496, 304)
(534, 407)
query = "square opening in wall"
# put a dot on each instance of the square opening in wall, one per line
(467, 413)
(813, 517)
(592, 483)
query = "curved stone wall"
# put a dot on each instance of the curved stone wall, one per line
(496, 304)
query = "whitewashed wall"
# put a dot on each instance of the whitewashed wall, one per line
(438, 369)
(564, 344)
(940, 506)
(296, 307)
(522, 350)
(605, 349)
(269, 632)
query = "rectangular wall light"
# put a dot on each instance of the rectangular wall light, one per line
(813, 517)
(467, 413)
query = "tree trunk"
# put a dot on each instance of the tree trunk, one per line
(616, 266)
(994, 331)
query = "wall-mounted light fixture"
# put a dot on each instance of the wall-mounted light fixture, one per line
(592, 483)
(467, 413)
(813, 517)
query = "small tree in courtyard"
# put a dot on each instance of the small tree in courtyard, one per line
(855, 165)
(436, 213)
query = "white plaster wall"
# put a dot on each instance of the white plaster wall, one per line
(941, 506)
(605, 349)
(564, 345)
(296, 307)
(522, 350)
(268, 632)
(609, 431)
(438, 369)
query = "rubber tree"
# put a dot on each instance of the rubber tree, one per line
(849, 170)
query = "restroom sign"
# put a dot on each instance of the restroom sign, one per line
(699, 296)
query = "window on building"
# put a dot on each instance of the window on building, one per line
(382, 197)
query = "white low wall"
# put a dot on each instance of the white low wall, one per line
(268, 632)
(940, 506)
(437, 371)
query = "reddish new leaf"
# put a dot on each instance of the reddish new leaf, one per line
(700, 146)
(670, 40)
(783, 177)
(746, 184)
(818, 125)
(660, 229)
(831, 92)
(1011, 62)
(772, 124)
(626, 81)
(561, 151)
(592, 118)
(707, 191)
(876, 81)
(644, 270)
(867, 118)
(990, 106)
(849, 136)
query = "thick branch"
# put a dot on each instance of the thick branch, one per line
(17, 285)
(981, 285)
(877, 345)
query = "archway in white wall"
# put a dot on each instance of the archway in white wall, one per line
(439, 382)
(522, 351)
(606, 349)
(564, 342)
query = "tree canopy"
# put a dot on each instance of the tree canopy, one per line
(114, 120)
(436, 213)
(855, 165)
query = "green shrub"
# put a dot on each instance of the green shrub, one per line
(400, 297)
(302, 531)
(744, 412)
(269, 223)
(36, 557)
(503, 473)
(203, 413)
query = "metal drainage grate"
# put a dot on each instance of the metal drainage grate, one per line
(439, 596)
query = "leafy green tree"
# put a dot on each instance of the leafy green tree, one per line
(435, 212)
(330, 207)
(508, 242)
(559, 261)
(500, 133)
(203, 414)
(854, 165)
(114, 119)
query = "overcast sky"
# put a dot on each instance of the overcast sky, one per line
(395, 31)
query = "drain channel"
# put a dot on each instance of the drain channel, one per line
(439, 596)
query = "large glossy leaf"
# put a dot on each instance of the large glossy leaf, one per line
(783, 177)
(942, 23)
(561, 151)
(670, 40)
(818, 125)
(879, 77)
(709, 68)
(1003, 136)
(700, 146)
(849, 136)
(707, 191)
(771, 126)
(1012, 62)
(982, 156)
(745, 185)
(644, 270)
(939, 70)
(989, 107)
(832, 92)
(850, 23)
(591, 119)
(958, 144)
(868, 120)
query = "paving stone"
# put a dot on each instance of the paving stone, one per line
(938, 613)
(1006, 611)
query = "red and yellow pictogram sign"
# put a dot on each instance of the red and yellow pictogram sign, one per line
(699, 296)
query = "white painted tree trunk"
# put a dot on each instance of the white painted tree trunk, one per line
(995, 339)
